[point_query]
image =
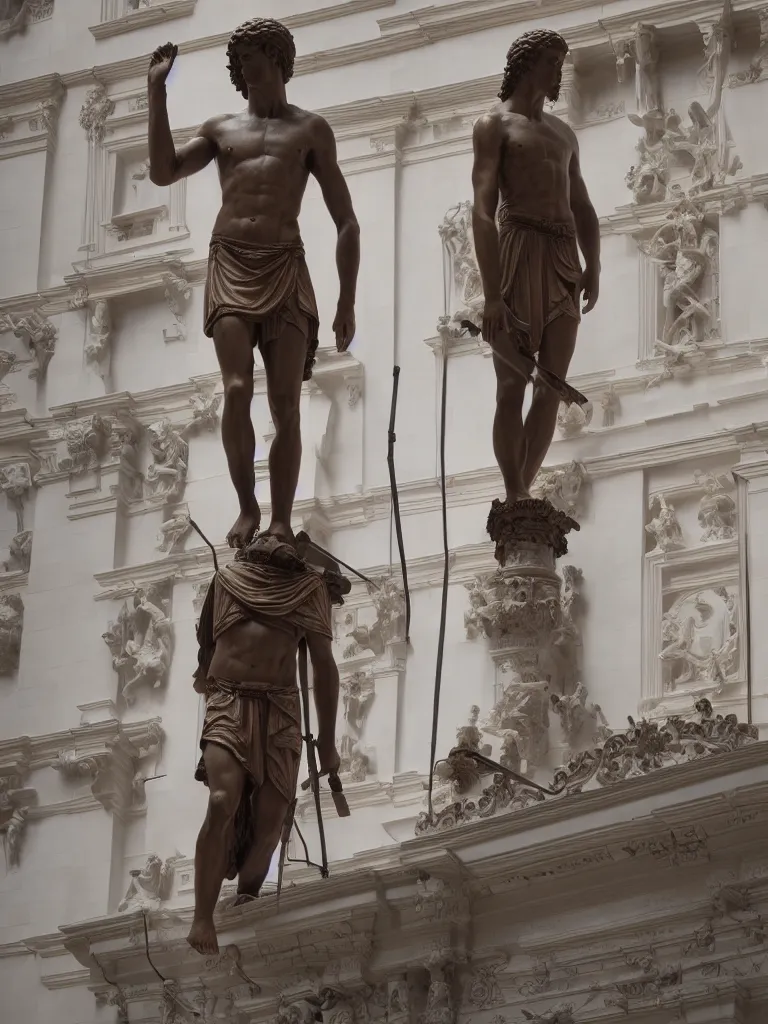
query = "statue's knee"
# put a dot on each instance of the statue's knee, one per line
(222, 805)
(238, 389)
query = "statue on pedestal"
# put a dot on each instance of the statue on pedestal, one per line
(254, 617)
(258, 291)
(528, 254)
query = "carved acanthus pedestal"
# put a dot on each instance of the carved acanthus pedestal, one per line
(518, 609)
(112, 766)
(140, 641)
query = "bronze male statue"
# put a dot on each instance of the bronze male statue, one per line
(253, 618)
(527, 252)
(258, 290)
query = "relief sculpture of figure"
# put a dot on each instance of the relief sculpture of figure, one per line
(258, 290)
(250, 626)
(531, 207)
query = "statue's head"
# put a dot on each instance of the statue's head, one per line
(538, 54)
(255, 49)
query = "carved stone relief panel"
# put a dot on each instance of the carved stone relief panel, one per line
(140, 641)
(702, 149)
(700, 640)
(663, 529)
(682, 294)
(693, 644)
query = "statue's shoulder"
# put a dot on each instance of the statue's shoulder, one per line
(560, 126)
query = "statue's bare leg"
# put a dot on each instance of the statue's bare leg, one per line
(233, 339)
(284, 360)
(508, 435)
(555, 352)
(270, 809)
(225, 784)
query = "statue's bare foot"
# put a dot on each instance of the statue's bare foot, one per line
(282, 531)
(246, 525)
(519, 495)
(202, 937)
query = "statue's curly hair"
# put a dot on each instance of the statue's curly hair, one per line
(524, 53)
(272, 37)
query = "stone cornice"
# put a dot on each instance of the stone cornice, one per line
(420, 28)
(376, 914)
(633, 218)
(143, 18)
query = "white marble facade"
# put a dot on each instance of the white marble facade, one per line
(645, 896)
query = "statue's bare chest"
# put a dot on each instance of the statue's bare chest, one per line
(286, 142)
(535, 142)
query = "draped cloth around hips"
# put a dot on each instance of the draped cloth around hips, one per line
(540, 270)
(267, 285)
(259, 724)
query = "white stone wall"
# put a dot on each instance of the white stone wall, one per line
(84, 236)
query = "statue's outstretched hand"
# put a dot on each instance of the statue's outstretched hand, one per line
(344, 326)
(161, 62)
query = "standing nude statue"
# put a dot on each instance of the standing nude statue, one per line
(258, 291)
(251, 623)
(529, 260)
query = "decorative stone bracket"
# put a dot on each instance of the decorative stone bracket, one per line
(111, 764)
(15, 802)
(38, 334)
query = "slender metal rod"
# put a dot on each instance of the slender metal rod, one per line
(391, 438)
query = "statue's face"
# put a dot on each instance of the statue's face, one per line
(257, 67)
(547, 71)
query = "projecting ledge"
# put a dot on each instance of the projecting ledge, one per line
(686, 793)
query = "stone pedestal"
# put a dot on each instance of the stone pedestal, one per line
(523, 617)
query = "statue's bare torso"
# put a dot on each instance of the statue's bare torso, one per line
(252, 652)
(263, 164)
(534, 171)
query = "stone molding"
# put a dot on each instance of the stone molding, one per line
(426, 25)
(114, 23)
(32, 125)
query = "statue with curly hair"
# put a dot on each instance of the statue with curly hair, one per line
(258, 291)
(531, 215)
